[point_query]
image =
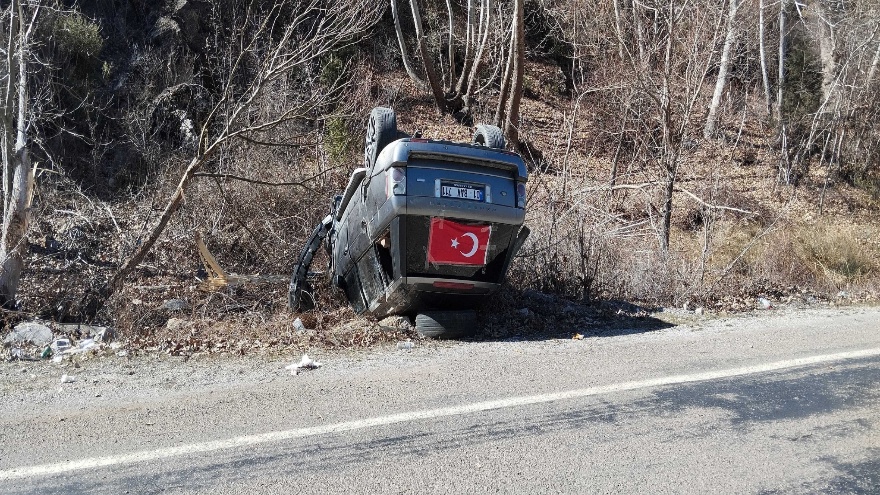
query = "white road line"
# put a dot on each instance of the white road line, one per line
(276, 436)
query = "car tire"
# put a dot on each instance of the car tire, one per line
(489, 136)
(446, 324)
(381, 131)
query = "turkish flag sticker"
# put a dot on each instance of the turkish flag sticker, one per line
(453, 243)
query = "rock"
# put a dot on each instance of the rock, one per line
(176, 305)
(524, 312)
(33, 332)
(764, 303)
(164, 31)
(299, 326)
(396, 323)
(699, 311)
(175, 324)
(67, 378)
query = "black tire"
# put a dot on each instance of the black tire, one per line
(446, 324)
(381, 131)
(489, 136)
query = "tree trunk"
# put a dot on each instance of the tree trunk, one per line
(723, 65)
(404, 53)
(873, 70)
(13, 244)
(640, 35)
(427, 59)
(780, 78)
(668, 151)
(471, 40)
(451, 46)
(485, 19)
(9, 96)
(501, 110)
(666, 214)
(13, 240)
(618, 30)
(516, 87)
(817, 14)
(763, 55)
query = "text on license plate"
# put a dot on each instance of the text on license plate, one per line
(461, 191)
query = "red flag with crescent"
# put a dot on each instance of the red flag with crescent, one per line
(453, 243)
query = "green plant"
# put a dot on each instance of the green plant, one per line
(78, 35)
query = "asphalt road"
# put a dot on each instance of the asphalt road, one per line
(781, 402)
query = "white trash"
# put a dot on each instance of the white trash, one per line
(83, 346)
(306, 363)
(405, 345)
(67, 378)
(298, 325)
(60, 345)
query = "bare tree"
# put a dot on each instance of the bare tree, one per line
(404, 52)
(451, 90)
(822, 28)
(18, 174)
(875, 61)
(507, 113)
(780, 73)
(305, 33)
(427, 58)
(473, 67)
(765, 79)
(669, 87)
(723, 67)
(518, 55)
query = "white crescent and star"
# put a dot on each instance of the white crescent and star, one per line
(473, 250)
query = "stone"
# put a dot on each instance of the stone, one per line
(396, 323)
(31, 331)
(175, 324)
(176, 305)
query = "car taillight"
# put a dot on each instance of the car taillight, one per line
(521, 195)
(395, 182)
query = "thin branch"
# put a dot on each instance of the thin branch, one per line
(250, 181)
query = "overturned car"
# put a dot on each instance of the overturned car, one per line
(426, 228)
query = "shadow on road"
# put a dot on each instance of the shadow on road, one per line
(533, 315)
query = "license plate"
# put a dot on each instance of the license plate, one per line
(462, 191)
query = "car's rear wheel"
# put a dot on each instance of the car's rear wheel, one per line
(489, 136)
(446, 324)
(381, 131)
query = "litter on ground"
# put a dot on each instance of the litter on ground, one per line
(306, 363)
